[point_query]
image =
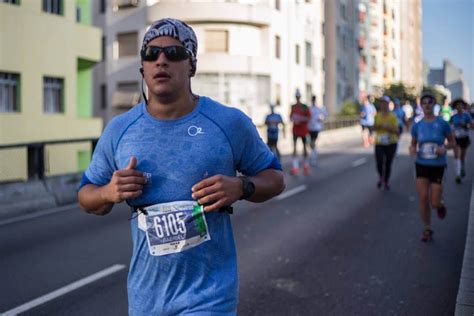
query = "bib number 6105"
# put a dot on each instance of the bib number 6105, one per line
(170, 224)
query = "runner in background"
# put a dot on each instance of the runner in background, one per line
(446, 111)
(428, 144)
(273, 122)
(418, 111)
(386, 128)
(461, 123)
(315, 125)
(401, 119)
(300, 116)
(408, 109)
(367, 115)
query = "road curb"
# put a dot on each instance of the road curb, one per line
(465, 298)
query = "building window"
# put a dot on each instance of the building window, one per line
(277, 46)
(53, 6)
(277, 94)
(343, 11)
(217, 41)
(297, 54)
(103, 96)
(277, 5)
(104, 48)
(309, 54)
(309, 92)
(103, 6)
(78, 14)
(9, 92)
(11, 1)
(126, 95)
(127, 44)
(53, 95)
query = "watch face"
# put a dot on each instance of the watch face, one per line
(248, 188)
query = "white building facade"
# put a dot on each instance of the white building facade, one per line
(250, 52)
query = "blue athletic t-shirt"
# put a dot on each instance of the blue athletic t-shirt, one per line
(429, 135)
(273, 120)
(212, 139)
(460, 123)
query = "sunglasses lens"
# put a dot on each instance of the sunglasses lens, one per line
(151, 53)
(175, 53)
(172, 53)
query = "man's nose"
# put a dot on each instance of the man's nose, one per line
(162, 60)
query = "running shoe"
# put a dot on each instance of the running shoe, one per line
(306, 169)
(427, 235)
(463, 173)
(458, 179)
(386, 186)
(379, 183)
(441, 211)
(294, 171)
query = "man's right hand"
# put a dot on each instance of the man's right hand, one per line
(125, 184)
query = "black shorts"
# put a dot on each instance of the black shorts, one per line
(432, 173)
(463, 142)
(370, 128)
(272, 141)
(313, 135)
(303, 138)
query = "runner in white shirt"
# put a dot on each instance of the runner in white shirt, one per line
(315, 125)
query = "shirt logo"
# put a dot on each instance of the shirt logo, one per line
(194, 130)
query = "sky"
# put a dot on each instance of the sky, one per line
(448, 32)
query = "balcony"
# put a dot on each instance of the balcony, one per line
(258, 14)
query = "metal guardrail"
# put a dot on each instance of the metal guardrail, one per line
(340, 122)
(35, 151)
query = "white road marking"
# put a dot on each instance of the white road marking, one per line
(37, 214)
(358, 162)
(291, 192)
(64, 290)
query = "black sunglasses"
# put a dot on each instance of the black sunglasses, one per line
(172, 53)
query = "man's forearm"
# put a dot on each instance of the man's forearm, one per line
(91, 199)
(268, 184)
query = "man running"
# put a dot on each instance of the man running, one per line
(173, 159)
(300, 116)
(273, 122)
(315, 125)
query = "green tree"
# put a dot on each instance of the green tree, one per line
(400, 91)
(349, 108)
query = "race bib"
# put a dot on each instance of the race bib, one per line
(174, 227)
(384, 139)
(428, 151)
(461, 132)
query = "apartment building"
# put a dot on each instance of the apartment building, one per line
(390, 37)
(341, 53)
(411, 44)
(451, 78)
(48, 49)
(251, 52)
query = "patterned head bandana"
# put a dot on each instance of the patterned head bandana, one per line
(176, 29)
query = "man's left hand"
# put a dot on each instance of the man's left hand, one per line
(217, 191)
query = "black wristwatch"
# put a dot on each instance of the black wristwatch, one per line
(248, 188)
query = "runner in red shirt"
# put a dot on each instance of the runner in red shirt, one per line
(300, 116)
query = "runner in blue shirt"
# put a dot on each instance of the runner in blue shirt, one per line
(367, 120)
(428, 144)
(461, 123)
(401, 118)
(173, 159)
(273, 122)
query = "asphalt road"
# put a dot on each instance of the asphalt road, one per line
(333, 245)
